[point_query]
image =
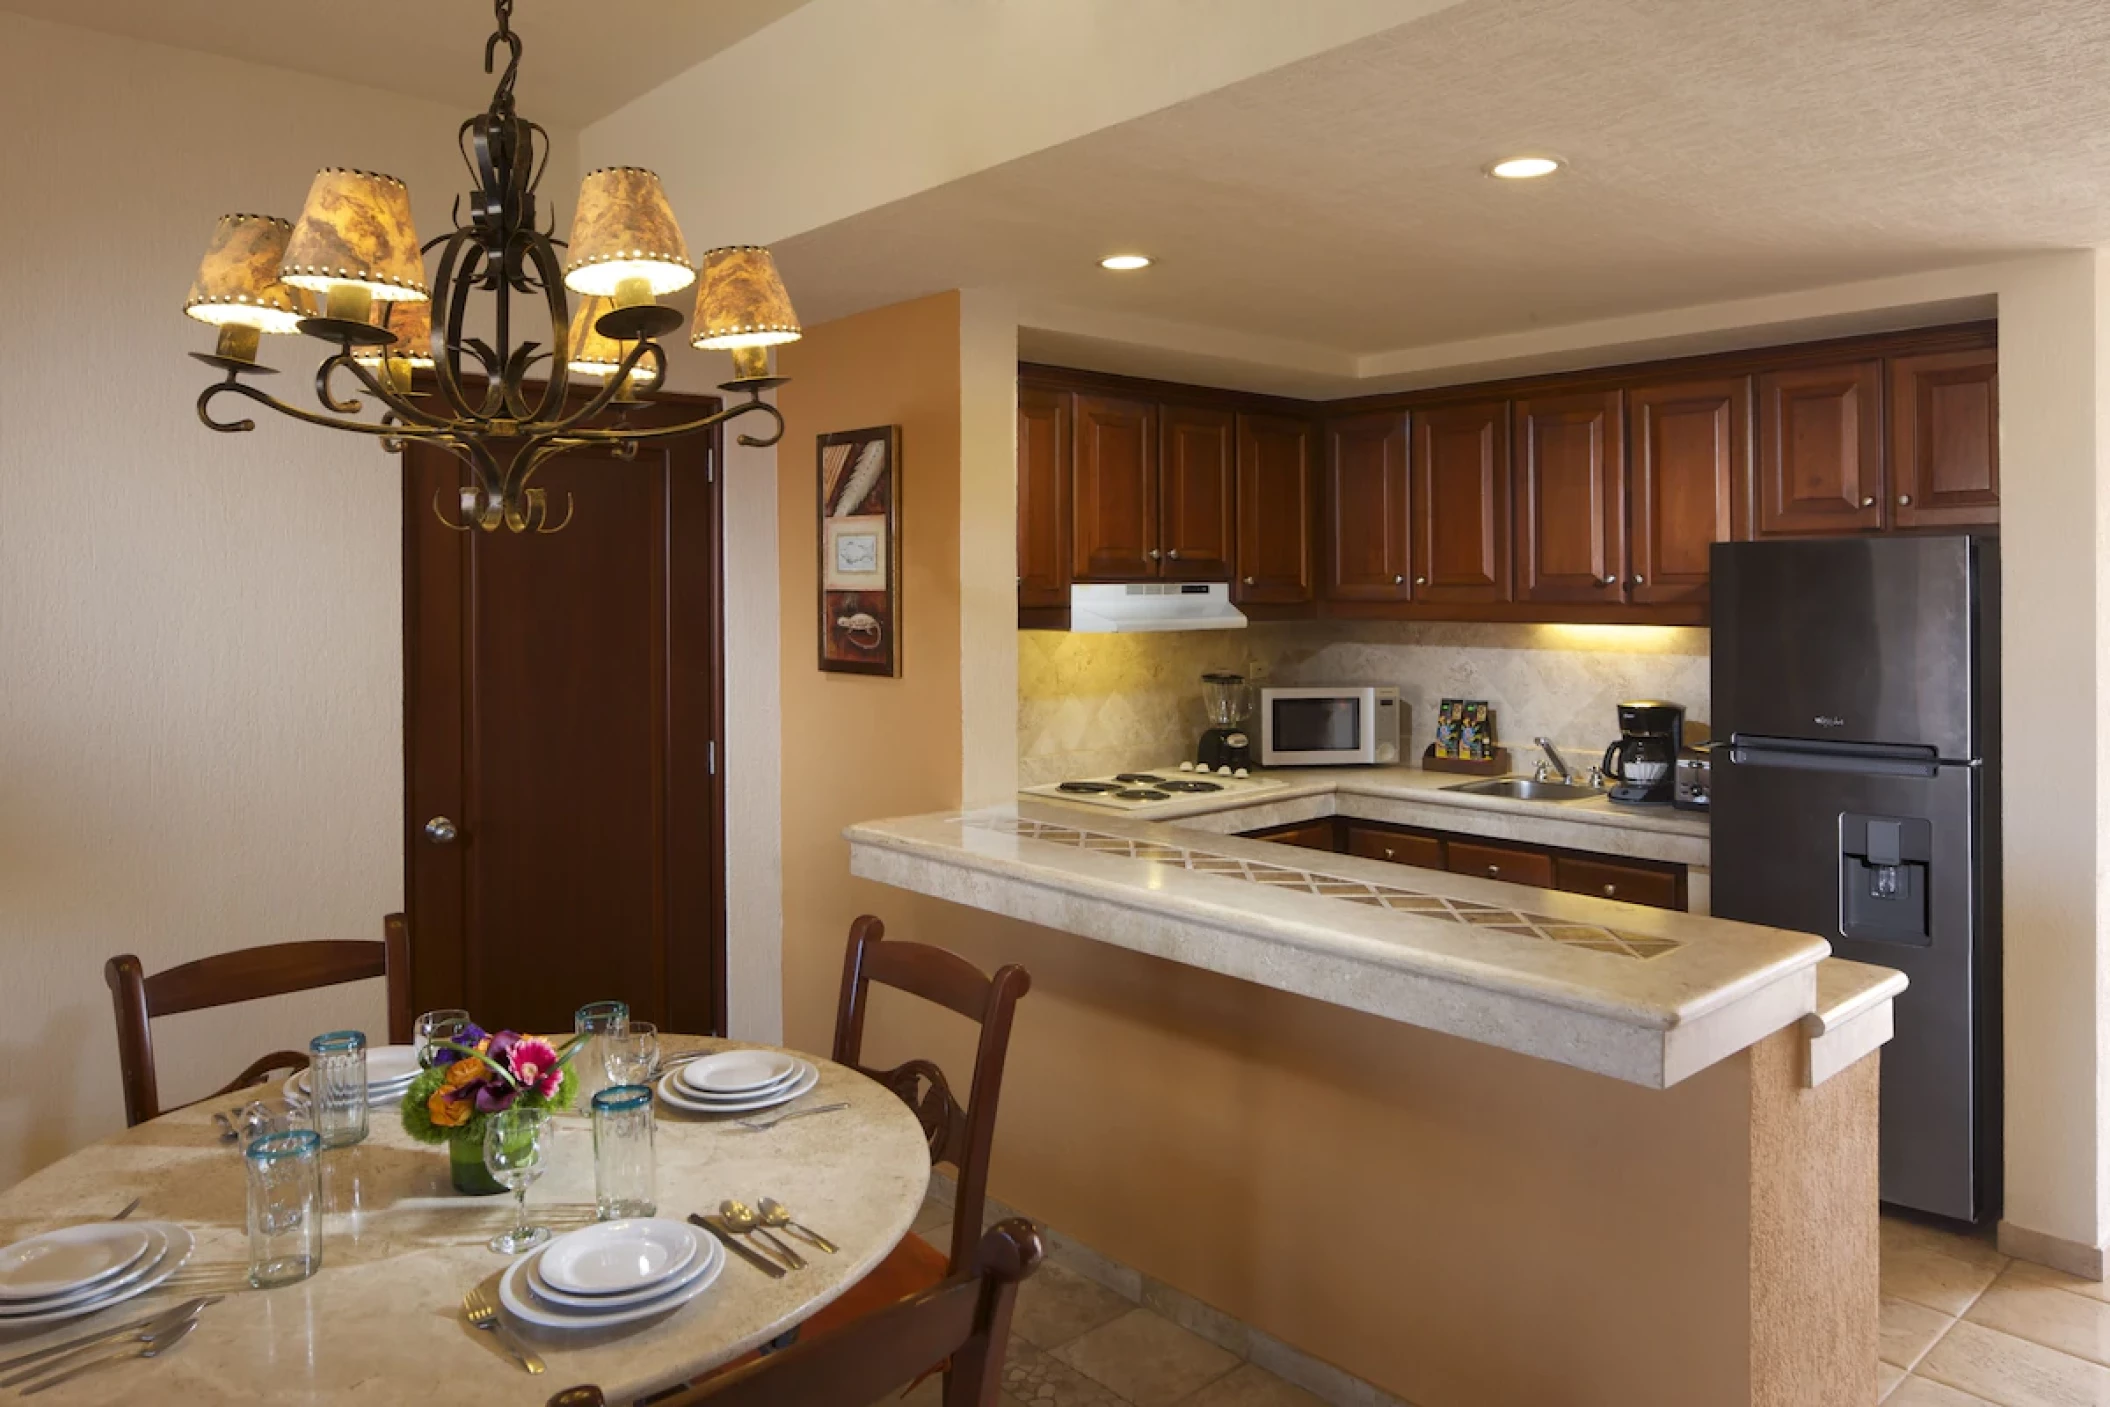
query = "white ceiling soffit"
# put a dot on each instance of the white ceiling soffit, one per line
(584, 58)
(1718, 151)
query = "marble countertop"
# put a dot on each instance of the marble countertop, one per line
(1641, 994)
(1410, 796)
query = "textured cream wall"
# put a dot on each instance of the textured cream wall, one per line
(200, 678)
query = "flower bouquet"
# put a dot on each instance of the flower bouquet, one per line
(477, 1076)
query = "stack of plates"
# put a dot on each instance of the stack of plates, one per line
(738, 1081)
(81, 1269)
(613, 1272)
(389, 1071)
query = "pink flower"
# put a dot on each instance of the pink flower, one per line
(535, 1066)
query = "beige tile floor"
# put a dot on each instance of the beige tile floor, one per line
(1964, 1326)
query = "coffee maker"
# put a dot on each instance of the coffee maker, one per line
(1642, 765)
(1225, 747)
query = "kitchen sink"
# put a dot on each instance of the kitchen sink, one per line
(1526, 789)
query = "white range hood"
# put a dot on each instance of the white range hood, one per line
(1117, 608)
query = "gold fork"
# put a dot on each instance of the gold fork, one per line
(484, 1315)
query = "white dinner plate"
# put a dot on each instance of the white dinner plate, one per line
(520, 1301)
(602, 1304)
(731, 1073)
(619, 1257)
(671, 1091)
(71, 1259)
(391, 1065)
(179, 1249)
(297, 1090)
(774, 1087)
(157, 1247)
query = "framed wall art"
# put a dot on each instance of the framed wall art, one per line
(860, 551)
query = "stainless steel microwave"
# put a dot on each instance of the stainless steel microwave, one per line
(1321, 727)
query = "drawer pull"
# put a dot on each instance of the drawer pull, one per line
(1388, 852)
(1250, 582)
(1611, 891)
(1421, 581)
(1494, 869)
(1904, 500)
(1868, 503)
(1174, 554)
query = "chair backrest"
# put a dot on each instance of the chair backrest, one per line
(240, 976)
(966, 1319)
(960, 1135)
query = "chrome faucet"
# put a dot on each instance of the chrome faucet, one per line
(1560, 764)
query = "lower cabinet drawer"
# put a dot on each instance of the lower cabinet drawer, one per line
(1312, 835)
(1612, 881)
(1501, 862)
(1374, 844)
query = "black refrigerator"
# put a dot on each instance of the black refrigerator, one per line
(1856, 795)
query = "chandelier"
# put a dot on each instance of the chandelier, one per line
(350, 272)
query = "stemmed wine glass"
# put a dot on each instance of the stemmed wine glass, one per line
(631, 1056)
(516, 1144)
(435, 1027)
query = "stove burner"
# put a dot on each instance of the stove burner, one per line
(1143, 777)
(1141, 794)
(1192, 786)
(1087, 788)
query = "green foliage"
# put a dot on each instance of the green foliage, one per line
(417, 1105)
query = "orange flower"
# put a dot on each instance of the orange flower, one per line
(451, 1105)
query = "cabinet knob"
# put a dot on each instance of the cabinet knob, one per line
(1611, 891)
(1868, 503)
(1494, 869)
(1904, 500)
(1608, 581)
(1174, 554)
(1637, 580)
(1421, 581)
(1388, 852)
(1250, 582)
(1397, 580)
(1155, 554)
(441, 831)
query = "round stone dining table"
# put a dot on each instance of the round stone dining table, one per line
(381, 1321)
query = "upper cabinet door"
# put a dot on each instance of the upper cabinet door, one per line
(1115, 525)
(1277, 494)
(1571, 499)
(1194, 493)
(1461, 503)
(1043, 497)
(1691, 460)
(1820, 450)
(1945, 439)
(1366, 514)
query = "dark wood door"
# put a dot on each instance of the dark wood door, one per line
(1115, 522)
(1195, 493)
(1689, 465)
(1945, 439)
(1277, 496)
(561, 701)
(1571, 499)
(1460, 515)
(1366, 518)
(1043, 497)
(1820, 450)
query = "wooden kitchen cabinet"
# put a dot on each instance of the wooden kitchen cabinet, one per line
(1114, 522)
(1321, 834)
(1460, 510)
(1277, 496)
(1195, 493)
(1510, 863)
(1365, 520)
(1820, 450)
(1945, 439)
(1398, 847)
(1043, 497)
(1570, 484)
(1657, 886)
(1689, 456)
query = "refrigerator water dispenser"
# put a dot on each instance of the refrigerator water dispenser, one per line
(1883, 878)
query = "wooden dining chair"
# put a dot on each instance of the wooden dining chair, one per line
(965, 1317)
(960, 1135)
(246, 975)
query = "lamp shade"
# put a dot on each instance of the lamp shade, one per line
(624, 229)
(412, 324)
(238, 284)
(593, 355)
(741, 301)
(355, 231)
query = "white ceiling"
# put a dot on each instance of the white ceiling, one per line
(1719, 149)
(583, 58)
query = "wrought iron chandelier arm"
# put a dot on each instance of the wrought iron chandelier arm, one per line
(601, 399)
(357, 427)
(633, 433)
(410, 412)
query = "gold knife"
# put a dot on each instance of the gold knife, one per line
(733, 1243)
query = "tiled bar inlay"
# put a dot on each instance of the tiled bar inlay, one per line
(1490, 917)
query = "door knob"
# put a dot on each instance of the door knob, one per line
(1868, 503)
(440, 831)
(1904, 500)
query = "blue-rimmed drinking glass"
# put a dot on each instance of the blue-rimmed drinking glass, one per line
(591, 1022)
(337, 1087)
(285, 1206)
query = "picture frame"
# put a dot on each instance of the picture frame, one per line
(858, 542)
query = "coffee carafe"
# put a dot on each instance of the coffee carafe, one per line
(1642, 765)
(1228, 704)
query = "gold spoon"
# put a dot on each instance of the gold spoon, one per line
(742, 1219)
(776, 1214)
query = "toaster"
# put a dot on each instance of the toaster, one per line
(1691, 780)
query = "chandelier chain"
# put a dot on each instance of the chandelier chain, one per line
(502, 98)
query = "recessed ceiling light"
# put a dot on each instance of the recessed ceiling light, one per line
(1123, 262)
(1523, 168)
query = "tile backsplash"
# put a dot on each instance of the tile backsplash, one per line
(1092, 704)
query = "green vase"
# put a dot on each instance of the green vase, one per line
(465, 1161)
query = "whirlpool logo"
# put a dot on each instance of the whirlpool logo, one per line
(1830, 720)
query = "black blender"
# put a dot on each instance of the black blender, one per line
(1225, 747)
